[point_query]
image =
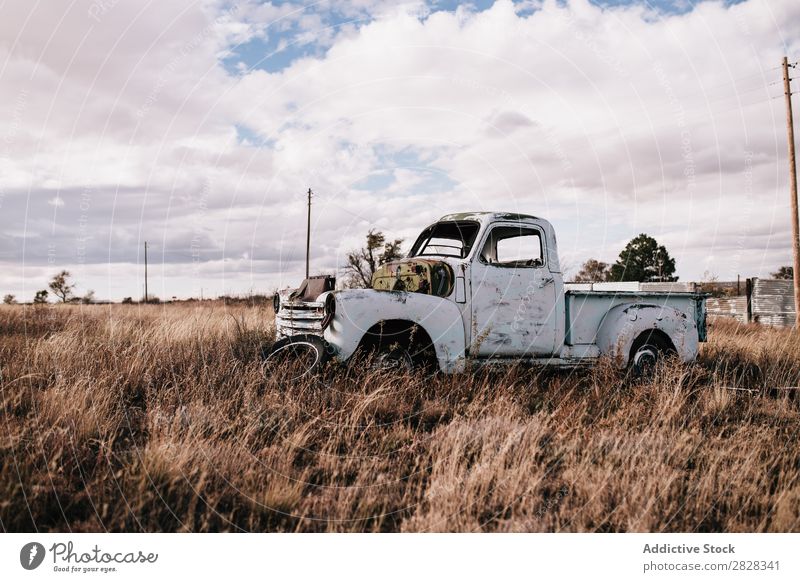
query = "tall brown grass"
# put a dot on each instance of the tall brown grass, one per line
(159, 418)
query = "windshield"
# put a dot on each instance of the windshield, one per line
(446, 239)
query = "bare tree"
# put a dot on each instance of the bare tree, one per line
(61, 286)
(9, 299)
(88, 298)
(593, 271)
(362, 263)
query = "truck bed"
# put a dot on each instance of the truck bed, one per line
(585, 307)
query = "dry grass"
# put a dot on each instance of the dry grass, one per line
(158, 418)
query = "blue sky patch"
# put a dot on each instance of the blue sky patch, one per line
(285, 42)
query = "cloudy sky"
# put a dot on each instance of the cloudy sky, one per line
(199, 126)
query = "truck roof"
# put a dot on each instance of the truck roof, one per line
(487, 216)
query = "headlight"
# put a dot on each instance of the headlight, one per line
(276, 302)
(330, 310)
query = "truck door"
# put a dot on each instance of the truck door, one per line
(513, 294)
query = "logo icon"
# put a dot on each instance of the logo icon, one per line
(31, 555)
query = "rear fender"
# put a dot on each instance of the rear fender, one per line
(624, 323)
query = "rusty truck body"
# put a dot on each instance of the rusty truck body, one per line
(487, 287)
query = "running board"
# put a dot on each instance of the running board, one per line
(550, 362)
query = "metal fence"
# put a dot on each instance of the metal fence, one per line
(731, 307)
(772, 302)
(766, 301)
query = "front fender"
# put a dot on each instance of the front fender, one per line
(624, 323)
(357, 310)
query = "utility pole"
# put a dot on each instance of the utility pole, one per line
(787, 89)
(145, 271)
(308, 233)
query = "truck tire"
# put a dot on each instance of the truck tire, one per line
(302, 355)
(648, 349)
(397, 359)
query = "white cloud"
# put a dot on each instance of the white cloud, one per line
(609, 121)
(647, 122)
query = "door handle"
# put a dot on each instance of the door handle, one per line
(545, 282)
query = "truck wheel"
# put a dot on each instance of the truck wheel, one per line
(648, 349)
(395, 359)
(298, 356)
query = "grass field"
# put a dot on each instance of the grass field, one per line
(158, 418)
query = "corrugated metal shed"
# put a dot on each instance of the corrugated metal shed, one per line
(772, 302)
(733, 307)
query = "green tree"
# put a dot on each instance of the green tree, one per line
(40, 297)
(785, 272)
(61, 286)
(9, 299)
(593, 271)
(362, 263)
(643, 259)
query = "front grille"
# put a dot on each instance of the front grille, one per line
(299, 317)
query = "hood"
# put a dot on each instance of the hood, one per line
(415, 275)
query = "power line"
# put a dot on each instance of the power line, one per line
(792, 190)
(342, 208)
(308, 234)
(145, 271)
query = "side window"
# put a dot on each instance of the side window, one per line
(510, 246)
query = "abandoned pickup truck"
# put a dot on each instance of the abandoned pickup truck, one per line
(481, 288)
